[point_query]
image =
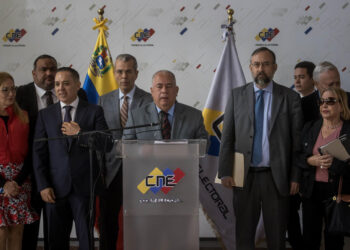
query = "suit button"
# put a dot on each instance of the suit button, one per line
(248, 152)
(330, 180)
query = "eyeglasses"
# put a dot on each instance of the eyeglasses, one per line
(329, 101)
(6, 90)
(263, 64)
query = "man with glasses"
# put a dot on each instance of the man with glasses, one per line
(263, 121)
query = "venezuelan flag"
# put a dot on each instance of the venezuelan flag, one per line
(100, 78)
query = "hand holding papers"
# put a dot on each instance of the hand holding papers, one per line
(237, 170)
(338, 148)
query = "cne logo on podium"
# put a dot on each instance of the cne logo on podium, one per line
(158, 180)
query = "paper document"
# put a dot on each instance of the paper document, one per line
(238, 170)
(338, 148)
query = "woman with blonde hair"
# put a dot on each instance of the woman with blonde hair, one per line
(15, 186)
(321, 173)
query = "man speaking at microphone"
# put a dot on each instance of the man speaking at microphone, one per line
(177, 120)
(61, 166)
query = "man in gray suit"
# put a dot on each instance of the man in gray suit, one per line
(263, 122)
(117, 106)
(177, 120)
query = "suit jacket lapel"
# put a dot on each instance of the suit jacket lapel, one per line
(116, 105)
(33, 99)
(57, 119)
(81, 111)
(277, 99)
(250, 97)
(151, 116)
(178, 120)
(136, 99)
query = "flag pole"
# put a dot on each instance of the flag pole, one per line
(230, 18)
(100, 13)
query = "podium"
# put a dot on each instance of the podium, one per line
(160, 194)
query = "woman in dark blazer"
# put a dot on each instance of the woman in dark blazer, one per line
(321, 173)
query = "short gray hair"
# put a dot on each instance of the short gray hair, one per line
(323, 67)
(126, 58)
(165, 71)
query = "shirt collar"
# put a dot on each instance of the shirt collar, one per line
(170, 111)
(268, 88)
(74, 104)
(130, 94)
(41, 92)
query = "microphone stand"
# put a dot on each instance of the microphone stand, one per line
(93, 149)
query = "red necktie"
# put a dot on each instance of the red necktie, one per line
(166, 127)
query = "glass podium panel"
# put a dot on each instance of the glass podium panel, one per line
(160, 194)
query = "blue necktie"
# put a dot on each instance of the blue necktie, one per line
(258, 129)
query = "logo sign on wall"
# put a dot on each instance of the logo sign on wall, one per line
(158, 180)
(14, 35)
(141, 36)
(266, 35)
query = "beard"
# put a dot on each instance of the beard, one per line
(262, 79)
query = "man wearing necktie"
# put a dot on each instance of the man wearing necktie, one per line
(117, 105)
(61, 166)
(33, 97)
(262, 121)
(177, 120)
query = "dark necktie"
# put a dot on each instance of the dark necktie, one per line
(258, 128)
(67, 115)
(166, 127)
(68, 118)
(48, 97)
(124, 111)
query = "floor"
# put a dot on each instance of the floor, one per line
(205, 244)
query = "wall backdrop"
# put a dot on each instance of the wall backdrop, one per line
(183, 36)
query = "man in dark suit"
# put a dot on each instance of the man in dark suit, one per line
(305, 86)
(33, 97)
(61, 166)
(263, 122)
(117, 104)
(177, 120)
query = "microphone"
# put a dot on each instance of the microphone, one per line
(152, 124)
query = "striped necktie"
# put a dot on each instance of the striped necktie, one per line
(124, 111)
